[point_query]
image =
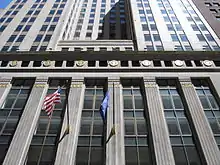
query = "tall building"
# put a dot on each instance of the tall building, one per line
(159, 60)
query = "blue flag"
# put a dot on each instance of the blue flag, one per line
(104, 105)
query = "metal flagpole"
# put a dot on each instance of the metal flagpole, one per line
(45, 136)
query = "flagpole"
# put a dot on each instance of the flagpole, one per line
(45, 136)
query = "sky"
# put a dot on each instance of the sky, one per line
(4, 3)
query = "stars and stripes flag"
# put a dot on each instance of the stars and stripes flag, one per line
(50, 101)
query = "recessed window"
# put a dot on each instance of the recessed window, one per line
(147, 37)
(183, 38)
(47, 37)
(145, 27)
(37, 64)
(209, 37)
(12, 38)
(174, 37)
(70, 63)
(27, 28)
(91, 63)
(200, 37)
(38, 38)
(43, 28)
(32, 19)
(20, 38)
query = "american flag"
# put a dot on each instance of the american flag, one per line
(50, 101)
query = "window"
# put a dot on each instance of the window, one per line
(145, 27)
(38, 38)
(210, 106)
(20, 38)
(181, 136)
(8, 20)
(153, 27)
(174, 37)
(52, 12)
(136, 138)
(12, 109)
(19, 27)
(27, 28)
(195, 27)
(90, 146)
(55, 19)
(5, 48)
(178, 27)
(52, 27)
(43, 28)
(183, 38)
(170, 27)
(209, 37)
(47, 37)
(24, 19)
(48, 19)
(201, 37)
(50, 147)
(156, 37)
(32, 19)
(12, 38)
(147, 37)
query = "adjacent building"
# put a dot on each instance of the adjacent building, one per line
(158, 60)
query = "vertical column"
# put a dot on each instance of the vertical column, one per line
(23, 135)
(5, 87)
(159, 130)
(67, 147)
(112, 151)
(119, 124)
(200, 123)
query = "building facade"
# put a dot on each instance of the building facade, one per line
(158, 60)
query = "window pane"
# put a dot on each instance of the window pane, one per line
(129, 127)
(179, 156)
(138, 102)
(96, 156)
(167, 102)
(172, 126)
(127, 102)
(88, 102)
(131, 155)
(204, 102)
(213, 102)
(214, 125)
(193, 156)
(184, 126)
(82, 155)
(141, 127)
(177, 102)
(85, 127)
(97, 127)
(144, 156)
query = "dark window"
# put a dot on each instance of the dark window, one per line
(19, 27)
(20, 38)
(197, 63)
(147, 37)
(27, 28)
(136, 131)
(52, 12)
(50, 147)
(135, 63)
(210, 106)
(181, 137)
(90, 146)
(188, 63)
(36, 12)
(32, 19)
(48, 19)
(2, 28)
(37, 64)
(174, 37)
(157, 63)
(201, 37)
(168, 63)
(9, 20)
(55, 19)
(145, 27)
(12, 38)
(103, 63)
(52, 27)
(43, 28)
(91, 63)
(5, 48)
(4, 63)
(38, 38)
(47, 38)
(12, 109)
(24, 19)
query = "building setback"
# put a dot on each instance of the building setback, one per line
(159, 60)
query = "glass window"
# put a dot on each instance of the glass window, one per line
(180, 133)
(174, 37)
(147, 37)
(136, 133)
(20, 38)
(12, 38)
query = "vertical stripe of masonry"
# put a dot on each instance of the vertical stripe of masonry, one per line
(200, 123)
(66, 153)
(159, 131)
